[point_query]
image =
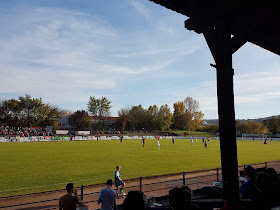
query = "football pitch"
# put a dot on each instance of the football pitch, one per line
(39, 166)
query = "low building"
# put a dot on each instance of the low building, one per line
(108, 123)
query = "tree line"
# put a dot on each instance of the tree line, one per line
(29, 112)
(269, 126)
(33, 112)
(186, 116)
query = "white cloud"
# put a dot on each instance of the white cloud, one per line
(142, 9)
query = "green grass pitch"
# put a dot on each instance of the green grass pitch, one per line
(40, 166)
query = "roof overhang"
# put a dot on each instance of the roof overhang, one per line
(250, 20)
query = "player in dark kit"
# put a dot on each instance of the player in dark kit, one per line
(143, 140)
(265, 141)
(121, 139)
(173, 140)
(205, 144)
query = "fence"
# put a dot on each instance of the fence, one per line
(150, 186)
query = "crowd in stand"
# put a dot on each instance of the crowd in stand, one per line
(262, 189)
(24, 131)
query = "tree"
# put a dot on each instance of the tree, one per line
(28, 108)
(79, 120)
(28, 111)
(99, 108)
(152, 118)
(139, 119)
(4, 112)
(191, 105)
(165, 117)
(251, 127)
(124, 119)
(197, 119)
(273, 125)
(49, 115)
(179, 107)
(182, 121)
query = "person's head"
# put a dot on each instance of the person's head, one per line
(263, 182)
(118, 168)
(272, 173)
(228, 194)
(133, 201)
(188, 192)
(70, 187)
(249, 172)
(179, 198)
(109, 182)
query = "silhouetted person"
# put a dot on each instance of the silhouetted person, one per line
(265, 199)
(69, 201)
(180, 199)
(230, 202)
(248, 189)
(275, 184)
(133, 201)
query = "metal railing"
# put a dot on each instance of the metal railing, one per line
(196, 180)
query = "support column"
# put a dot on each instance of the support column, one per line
(219, 41)
(227, 129)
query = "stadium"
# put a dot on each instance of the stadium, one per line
(165, 165)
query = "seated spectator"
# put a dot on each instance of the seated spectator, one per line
(69, 201)
(133, 201)
(189, 197)
(231, 202)
(248, 189)
(264, 199)
(275, 184)
(180, 199)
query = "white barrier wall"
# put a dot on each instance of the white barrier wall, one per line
(54, 138)
(24, 139)
(92, 138)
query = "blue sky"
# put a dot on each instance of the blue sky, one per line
(132, 51)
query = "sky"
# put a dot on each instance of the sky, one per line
(131, 51)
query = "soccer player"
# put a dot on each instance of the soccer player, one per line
(173, 140)
(121, 139)
(143, 140)
(192, 140)
(158, 145)
(265, 141)
(118, 180)
(205, 144)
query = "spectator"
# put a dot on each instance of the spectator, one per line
(230, 202)
(133, 201)
(265, 199)
(248, 189)
(189, 197)
(275, 184)
(108, 197)
(179, 199)
(69, 201)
